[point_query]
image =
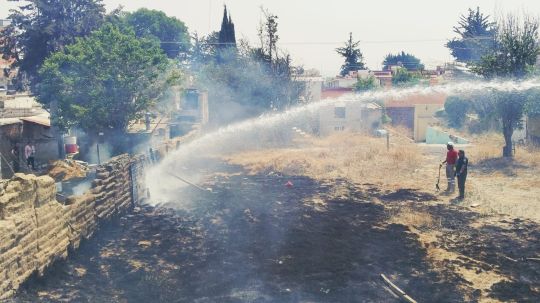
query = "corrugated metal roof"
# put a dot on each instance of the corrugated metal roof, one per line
(41, 120)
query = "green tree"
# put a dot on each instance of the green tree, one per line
(365, 84)
(456, 109)
(41, 27)
(103, 81)
(514, 56)
(227, 35)
(403, 59)
(172, 33)
(260, 79)
(403, 77)
(476, 37)
(353, 56)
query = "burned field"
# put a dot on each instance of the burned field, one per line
(253, 239)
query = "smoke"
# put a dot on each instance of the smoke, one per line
(275, 129)
(105, 153)
(81, 188)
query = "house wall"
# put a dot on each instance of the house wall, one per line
(44, 141)
(533, 129)
(357, 118)
(401, 116)
(424, 116)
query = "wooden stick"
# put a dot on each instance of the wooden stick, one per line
(397, 290)
(186, 181)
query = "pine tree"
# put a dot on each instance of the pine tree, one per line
(227, 38)
(353, 56)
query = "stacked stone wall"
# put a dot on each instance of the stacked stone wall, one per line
(36, 229)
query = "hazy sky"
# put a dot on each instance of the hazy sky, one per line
(310, 30)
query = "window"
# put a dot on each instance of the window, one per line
(339, 112)
(339, 128)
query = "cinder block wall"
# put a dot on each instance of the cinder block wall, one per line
(36, 230)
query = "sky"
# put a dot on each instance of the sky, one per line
(310, 30)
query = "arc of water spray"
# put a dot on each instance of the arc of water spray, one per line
(236, 136)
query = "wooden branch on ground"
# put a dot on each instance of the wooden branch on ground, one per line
(397, 290)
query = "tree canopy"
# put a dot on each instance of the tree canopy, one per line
(514, 55)
(403, 77)
(226, 38)
(365, 84)
(354, 60)
(403, 59)
(40, 27)
(103, 81)
(476, 37)
(172, 33)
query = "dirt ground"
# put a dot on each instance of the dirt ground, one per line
(500, 193)
(354, 211)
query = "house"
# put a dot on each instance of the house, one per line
(312, 88)
(349, 116)
(415, 112)
(23, 120)
(533, 129)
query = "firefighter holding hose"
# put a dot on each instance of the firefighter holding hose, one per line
(451, 159)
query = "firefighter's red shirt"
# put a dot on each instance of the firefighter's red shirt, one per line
(451, 156)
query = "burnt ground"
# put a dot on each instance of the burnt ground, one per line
(255, 240)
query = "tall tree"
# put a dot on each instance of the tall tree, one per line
(104, 81)
(172, 33)
(514, 56)
(354, 60)
(41, 27)
(268, 38)
(403, 59)
(227, 38)
(476, 37)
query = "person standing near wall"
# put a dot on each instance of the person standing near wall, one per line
(16, 158)
(29, 155)
(451, 159)
(461, 173)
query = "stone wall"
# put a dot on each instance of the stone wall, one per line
(36, 229)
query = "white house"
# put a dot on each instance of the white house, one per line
(349, 116)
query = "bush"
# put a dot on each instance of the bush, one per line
(456, 109)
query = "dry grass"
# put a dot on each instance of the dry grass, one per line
(357, 157)
(499, 185)
(411, 217)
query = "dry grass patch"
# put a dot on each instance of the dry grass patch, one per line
(356, 157)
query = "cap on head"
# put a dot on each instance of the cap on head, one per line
(450, 143)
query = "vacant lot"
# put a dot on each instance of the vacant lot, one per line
(318, 222)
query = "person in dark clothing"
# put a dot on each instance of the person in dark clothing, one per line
(16, 158)
(461, 172)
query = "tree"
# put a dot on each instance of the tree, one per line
(514, 56)
(227, 35)
(172, 33)
(456, 108)
(365, 84)
(403, 77)
(268, 38)
(102, 82)
(40, 27)
(260, 79)
(476, 37)
(353, 56)
(403, 59)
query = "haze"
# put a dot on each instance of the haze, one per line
(311, 30)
